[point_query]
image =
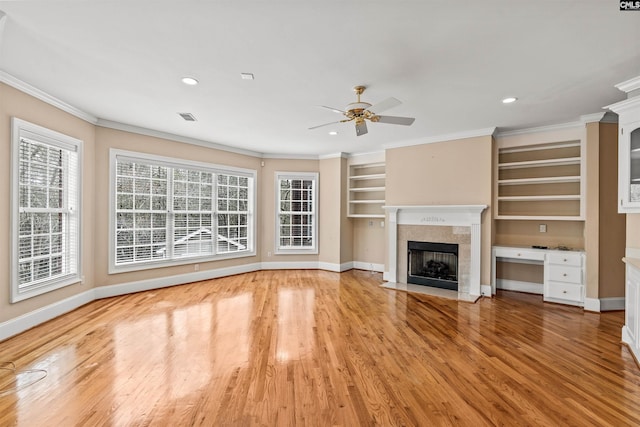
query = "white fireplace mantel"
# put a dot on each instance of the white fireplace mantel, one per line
(436, 215)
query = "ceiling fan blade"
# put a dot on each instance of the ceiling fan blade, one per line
(394, 120)
(361, 128)
(335, 110)
(385, 105)
(326, 124)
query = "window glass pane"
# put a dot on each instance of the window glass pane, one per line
(297, 208)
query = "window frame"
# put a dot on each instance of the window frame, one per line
(313, 249)
(172, 162)
(72, 250)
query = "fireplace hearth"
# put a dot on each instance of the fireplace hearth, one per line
(433, 264)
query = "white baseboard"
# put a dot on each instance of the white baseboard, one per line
(369, 266)
(612, 304)
(163, 282)
(485, 290)
(516, 285)
(26, 321)
(592, 304)
(386, 276)
(626, 338)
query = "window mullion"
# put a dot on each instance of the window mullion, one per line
(170, 214)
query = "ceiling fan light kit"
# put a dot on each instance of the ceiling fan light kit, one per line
(360, 112)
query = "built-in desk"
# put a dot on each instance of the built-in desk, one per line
(563, 271)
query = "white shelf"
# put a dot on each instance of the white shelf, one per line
(541, 217)
(372, 176)
(540, 198)
(541, 163)
(366, 189)
(542, 180)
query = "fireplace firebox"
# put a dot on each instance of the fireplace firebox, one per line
(433, 264)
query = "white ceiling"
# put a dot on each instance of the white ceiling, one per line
(449, 62)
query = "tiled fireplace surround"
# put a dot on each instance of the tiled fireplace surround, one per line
(458, 224)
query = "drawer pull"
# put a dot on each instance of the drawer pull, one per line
(564, 292)
(565, 260)
(519, 254)
(565, 274)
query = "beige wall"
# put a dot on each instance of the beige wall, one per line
(633, 231)
(445, 173)
(108, 139)
(346, 225)
(612, 225)
(267, 225)
(14, 103)
(369, 240)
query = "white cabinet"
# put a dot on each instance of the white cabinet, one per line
(631, 329)
(563, 271)
(366, 190)
(563, 280)
(628, 148)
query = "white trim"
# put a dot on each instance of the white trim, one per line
(368, 266)
(333, 156)
(438, 215)
(315, 177)
(627, 339)
(176, 162)
(173, 137)
(339, 268)
(612, 304)
(24, 129)
(632, 253)
(36, 317)
(442, 138)
(593, 117)
(520, 286)
(485, 290)
(629, 85)
(538, 129)
(45, 97)
(592, 304)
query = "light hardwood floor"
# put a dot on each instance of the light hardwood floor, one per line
(320, 349)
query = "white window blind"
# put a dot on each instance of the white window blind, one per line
(46, 218)
(297, 212)
(165, 211)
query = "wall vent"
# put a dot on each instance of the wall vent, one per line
(188, 117)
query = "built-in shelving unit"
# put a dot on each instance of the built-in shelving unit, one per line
(366, 190)
(540, 181)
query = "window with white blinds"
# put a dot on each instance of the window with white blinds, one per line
(46, 186)
(168, 211)
(297, 226)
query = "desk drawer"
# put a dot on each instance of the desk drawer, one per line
(517, 253)
(564, 291)
(567, 274)
(565, 259)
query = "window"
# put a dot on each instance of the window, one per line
(168, 211)
(297, 206)
(45, 201)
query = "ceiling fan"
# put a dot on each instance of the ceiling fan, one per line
(363, 111)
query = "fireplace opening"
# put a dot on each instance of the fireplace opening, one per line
(433, 264)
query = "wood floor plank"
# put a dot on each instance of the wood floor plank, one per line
(316, 348)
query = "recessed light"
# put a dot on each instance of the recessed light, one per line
(333, 132)
(246, 76)
(509, 100)
(189, 81)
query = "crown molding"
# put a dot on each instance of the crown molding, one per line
(629, 85)
(442, 138)
(622, 106)
(591, 118)
(538, 129)
(290, 156)
(45, 97)
(333, 156)
(368, 153)
(173, 137)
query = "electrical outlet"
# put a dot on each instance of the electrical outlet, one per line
(196, 267)
(370, 223)
(543, 228)
(381, 224)
(268, 253)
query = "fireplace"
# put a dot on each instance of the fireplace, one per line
(433, 264)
